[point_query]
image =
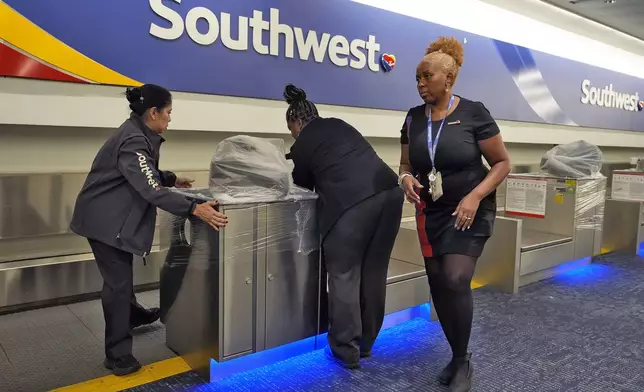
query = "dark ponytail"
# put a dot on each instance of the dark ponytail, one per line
(299, 107)
(146, 97)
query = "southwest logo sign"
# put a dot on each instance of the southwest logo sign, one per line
(342, 52)
(608, 98)
(388, 62)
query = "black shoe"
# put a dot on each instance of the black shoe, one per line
(341, 362)
(123, 366)
(150, 316)
(365, 354)
(445, 377)
(463, 374)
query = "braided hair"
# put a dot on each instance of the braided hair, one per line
(299, 108)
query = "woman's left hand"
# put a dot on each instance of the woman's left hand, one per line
(466, 211)
(183, 182)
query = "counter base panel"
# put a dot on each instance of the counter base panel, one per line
(406, 294)
(553, 271)
(547, 257)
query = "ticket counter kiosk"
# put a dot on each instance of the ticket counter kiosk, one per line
(546, 223)
(562, 220)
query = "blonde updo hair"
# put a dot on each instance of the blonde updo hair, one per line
(449, 52)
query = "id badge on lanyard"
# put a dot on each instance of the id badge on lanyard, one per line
(435, 178)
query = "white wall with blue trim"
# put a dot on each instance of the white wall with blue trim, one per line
(54, 127)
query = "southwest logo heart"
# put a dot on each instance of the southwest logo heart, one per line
(640, 106)
(388, 61)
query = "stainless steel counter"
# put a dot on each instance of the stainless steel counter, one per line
(41, 261)
(38, 252)
(245, 289)
(229, 294)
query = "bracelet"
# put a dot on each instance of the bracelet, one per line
(402, 176)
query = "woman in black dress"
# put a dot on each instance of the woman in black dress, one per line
(441, 171)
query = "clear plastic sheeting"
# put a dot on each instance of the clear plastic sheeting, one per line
(589, 208)
(247, 169)
(582, 162)
(578, 159)
(571, 204)
(267, 247)
(252, 181)
(280, 226)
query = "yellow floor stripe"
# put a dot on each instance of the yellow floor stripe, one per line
(151, 373)
(148, 374)
(24, 34)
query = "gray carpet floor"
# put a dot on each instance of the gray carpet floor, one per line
(582, 331)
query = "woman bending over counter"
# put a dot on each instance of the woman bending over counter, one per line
(359, 213)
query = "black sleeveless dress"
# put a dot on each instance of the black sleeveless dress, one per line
(459, 160)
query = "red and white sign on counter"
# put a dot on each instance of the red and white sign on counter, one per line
(628, 186)
(526, 197)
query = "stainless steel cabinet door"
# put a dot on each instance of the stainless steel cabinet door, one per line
(292, 278)
(237, 259)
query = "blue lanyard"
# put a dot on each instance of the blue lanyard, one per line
(433, 144)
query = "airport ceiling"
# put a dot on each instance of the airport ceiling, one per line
(626, 16)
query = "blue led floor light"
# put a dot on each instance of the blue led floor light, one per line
(221, 370)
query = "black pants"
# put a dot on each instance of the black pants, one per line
(356, 253)
(120, 307)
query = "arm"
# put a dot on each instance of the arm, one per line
(406, 178)
(137, 166)
(496, 155)
(490, 141)
(405, 166)
(302, 175)
(168, 178)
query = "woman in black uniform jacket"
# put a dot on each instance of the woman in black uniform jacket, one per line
(453, 191)
(359, 212)
(116, 211)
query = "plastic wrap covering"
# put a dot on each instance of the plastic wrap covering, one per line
(254, 171)
(246, 169)
(272, 228)
(579, 159)
(281, 225)
(591, 198)
(265, 241)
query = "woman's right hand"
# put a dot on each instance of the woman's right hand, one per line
(409, 185)
(207, 213)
